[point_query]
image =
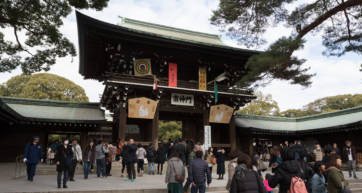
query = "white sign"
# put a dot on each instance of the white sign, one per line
(207, 136)
(182, 99)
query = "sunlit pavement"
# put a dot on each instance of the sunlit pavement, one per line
(113, 184)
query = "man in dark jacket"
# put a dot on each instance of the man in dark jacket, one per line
(285, 171)
(349, 156)
(63, 159)
(180, 148)
(131, 159)
(161, 157)
(198, 174)
(151, 158)
(32, 155)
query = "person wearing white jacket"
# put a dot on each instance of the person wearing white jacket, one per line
(141, 155)
(77, 157)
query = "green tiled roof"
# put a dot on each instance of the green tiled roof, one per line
(176, 33)
(308, 123)
(50, 110)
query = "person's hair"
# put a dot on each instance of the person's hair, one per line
(275, 150)
(332, 160)
(348, 141)
(234, 154)
(174, 154)
(209, 150)
(245, 159)
(288, 154)
(139, 145)
(317, 166)
(199, 154)
(268, 176)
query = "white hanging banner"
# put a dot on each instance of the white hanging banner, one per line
(207, 137)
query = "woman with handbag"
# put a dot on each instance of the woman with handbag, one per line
(175, 173)
(335, 178)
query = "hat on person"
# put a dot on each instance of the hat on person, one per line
(36, 138)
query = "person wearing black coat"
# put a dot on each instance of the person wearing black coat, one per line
(180, 148)
(350, 157)
(63, 160)
(285, 171)
(131, 159)
(124, 156)
(160, 158)
(89, 157)
(151, 158)
(245, 179)
(220, 161)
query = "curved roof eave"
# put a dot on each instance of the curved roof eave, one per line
(309, 123)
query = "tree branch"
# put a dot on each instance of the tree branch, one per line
(17, 40)
(348, 27)
(327, 15)
(341, 7)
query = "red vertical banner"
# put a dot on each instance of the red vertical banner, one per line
(172, 75)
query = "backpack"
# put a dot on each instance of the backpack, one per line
(150, 153)
(297, 185)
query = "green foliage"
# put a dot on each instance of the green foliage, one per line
(262, 105)
(295, 113)
(247, 20)
(169, 129)
(43, 86)
(325, 105)
(40, 20)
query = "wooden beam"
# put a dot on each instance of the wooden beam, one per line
(205, 117)
(155, 127)
(83, 139)
(232, 133)
(122, 125)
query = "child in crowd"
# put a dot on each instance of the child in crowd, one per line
(266, 184)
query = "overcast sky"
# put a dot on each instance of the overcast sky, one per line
(333, 75)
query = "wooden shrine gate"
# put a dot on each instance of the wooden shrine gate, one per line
(154, 72)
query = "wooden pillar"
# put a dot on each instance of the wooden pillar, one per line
(232, 133)
(122, 124)
(205, 117)
(115, 131)
(155, 128)
(83, 139)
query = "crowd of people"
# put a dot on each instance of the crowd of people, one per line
(293, 167)
(318, 170)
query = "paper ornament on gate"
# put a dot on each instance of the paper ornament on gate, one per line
(141, 108)
(220, 114)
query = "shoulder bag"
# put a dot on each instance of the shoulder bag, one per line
(178, 178)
